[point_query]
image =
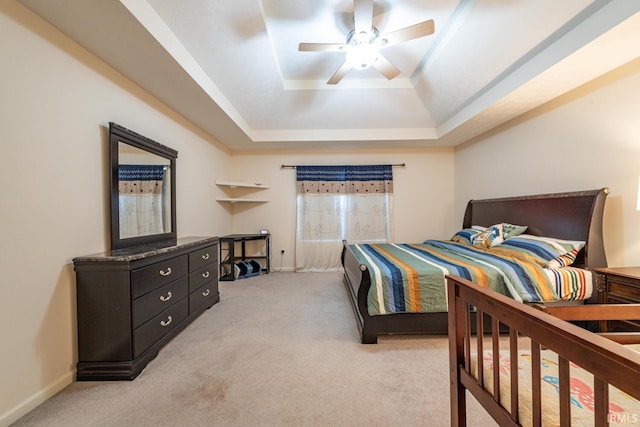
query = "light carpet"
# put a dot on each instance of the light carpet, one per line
(280, 349)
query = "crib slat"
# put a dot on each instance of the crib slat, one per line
(458, 401)
(565, 392)
(467, 337)
(536, 384)
(495, 350)
(513, 358)
(479, 346)
(601, 402)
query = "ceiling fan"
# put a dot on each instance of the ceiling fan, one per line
(364, 42)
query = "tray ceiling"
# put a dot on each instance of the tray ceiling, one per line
(233, 67)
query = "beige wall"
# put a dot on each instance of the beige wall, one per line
(423, 194)
(55, 101)
(57, 98)
(587, 139)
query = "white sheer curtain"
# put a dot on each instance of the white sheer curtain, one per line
(337, 203)
(141, 194)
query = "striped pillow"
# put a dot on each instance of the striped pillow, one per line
(546, 251)
(466, 234)
(564, 260)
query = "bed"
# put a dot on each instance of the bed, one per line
(574, 216)
(543, 370)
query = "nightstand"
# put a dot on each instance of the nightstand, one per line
(618, 286)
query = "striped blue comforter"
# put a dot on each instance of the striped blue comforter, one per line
(410, 277)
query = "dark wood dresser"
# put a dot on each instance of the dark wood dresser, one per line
(618, 286)
(131, 302)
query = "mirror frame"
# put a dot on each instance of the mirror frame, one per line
(119, 134)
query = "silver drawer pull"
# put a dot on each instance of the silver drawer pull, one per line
(166, 323)
(205, 274)
(167, 298)
(165, 273)
(205, 293)
(205, 256)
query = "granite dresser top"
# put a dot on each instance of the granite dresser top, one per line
(145, 251)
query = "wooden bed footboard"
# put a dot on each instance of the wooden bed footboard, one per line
(609, 362)
(357, 281)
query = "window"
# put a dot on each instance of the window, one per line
(336, 203)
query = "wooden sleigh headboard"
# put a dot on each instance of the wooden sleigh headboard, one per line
(575, 215)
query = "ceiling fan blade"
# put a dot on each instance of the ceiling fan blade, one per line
(338, 75)
(321, 47)
(405, 34)
(363, 15)
(385, 67)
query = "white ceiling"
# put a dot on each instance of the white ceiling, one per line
(232, 66)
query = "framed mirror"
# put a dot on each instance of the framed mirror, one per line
(143, 190)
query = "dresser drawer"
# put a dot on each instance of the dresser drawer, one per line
(208, 293)
(159, 326)
(624, 326)
(622, 289)
(149, 305)
(149, 278)
(199, 277)
(202, 257)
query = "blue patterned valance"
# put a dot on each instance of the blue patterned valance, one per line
(140, 179)
(357, 179)
(141, 172)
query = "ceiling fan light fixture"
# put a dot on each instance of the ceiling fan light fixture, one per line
(364, 41)
(361, 37)
(381, 41)
(362, 55)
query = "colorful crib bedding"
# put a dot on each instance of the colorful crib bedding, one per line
(624, 410)
(410, 277)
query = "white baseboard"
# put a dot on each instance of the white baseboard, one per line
(283, 269)
(21, 409)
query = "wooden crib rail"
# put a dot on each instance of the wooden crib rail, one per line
(609, 362)
(593, 311)
(599, 312)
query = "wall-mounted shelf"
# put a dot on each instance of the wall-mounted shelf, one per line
(240, 200)
(231, 185)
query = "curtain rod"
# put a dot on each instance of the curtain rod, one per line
(397, 165)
